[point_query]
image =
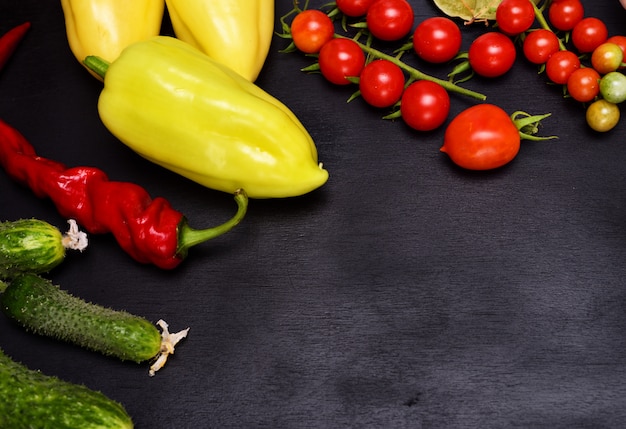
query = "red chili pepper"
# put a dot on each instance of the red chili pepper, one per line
(149, 230)
(10, 40)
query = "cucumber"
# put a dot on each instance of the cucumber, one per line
(30, 399)
(45, 309)
(35, 246)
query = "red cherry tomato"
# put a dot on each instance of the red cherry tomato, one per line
(561, 65)
(437, 39)
(515, 16)
(425, 105)
(539, 45)
(310, 30)
(381, 83)
(354, 8)
(584, 84)
(565, 14)
(341, 58)
(390, 20)
(491, 54)
(588, 34)
(481, 137)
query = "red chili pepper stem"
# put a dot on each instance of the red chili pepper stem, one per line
(189, 237)
(10, 40)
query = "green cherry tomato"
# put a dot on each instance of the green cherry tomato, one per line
(602, 116)
(613, 87)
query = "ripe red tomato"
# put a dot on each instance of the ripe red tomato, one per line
(588, 34)
(341, 58)
(310, 30)
(381, 83)
(491, 54)
(481, 137)
(584, 84)
(515, 16)
(561, 65)
(607, 57)
(354, 8)
(565, 14)
(390, 20)
(539, 45)
(425, 105)
(437, 39)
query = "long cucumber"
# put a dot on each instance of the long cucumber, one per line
(35, 246)
(30, 399)
(44, 308)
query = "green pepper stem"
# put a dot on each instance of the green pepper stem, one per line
(189, 237)
(97, 65)
(416, 74)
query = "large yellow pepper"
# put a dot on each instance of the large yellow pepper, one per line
(236, 33)
(178, 108)
(105, 27)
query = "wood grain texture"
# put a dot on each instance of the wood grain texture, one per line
(405, 293)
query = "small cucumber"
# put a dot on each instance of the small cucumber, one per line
(35, 246)
(30, 399)
(44, 308)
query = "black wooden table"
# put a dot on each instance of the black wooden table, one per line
(405, 293)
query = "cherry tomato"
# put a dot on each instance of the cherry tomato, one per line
(561, 65)
(310, 30)
(491, 54)
(613, 87)
(354, 8)
(565, 14)
(481, 137)
(619, 41)
(539, 45)
(390, 20)
(437, 39)
(584, 84)
(515, 16)
(381, 83)
(425, 105)
(602, 116)
(607, 57)
(341, 58)
(588, 34)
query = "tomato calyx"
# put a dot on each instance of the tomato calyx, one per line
(462, 72)
(528, 125)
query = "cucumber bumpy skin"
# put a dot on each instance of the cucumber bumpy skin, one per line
(30, 399)
(45, 309)
(35, 246)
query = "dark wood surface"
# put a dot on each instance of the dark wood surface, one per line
(405, 293)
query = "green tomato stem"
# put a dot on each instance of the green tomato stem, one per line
(416, 74)
(528, 125)
(544, 24)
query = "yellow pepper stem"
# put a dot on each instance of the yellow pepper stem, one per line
(97, 65)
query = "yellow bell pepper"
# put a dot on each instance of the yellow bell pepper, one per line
(105, 27)
(180, 109)
(236, 33)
